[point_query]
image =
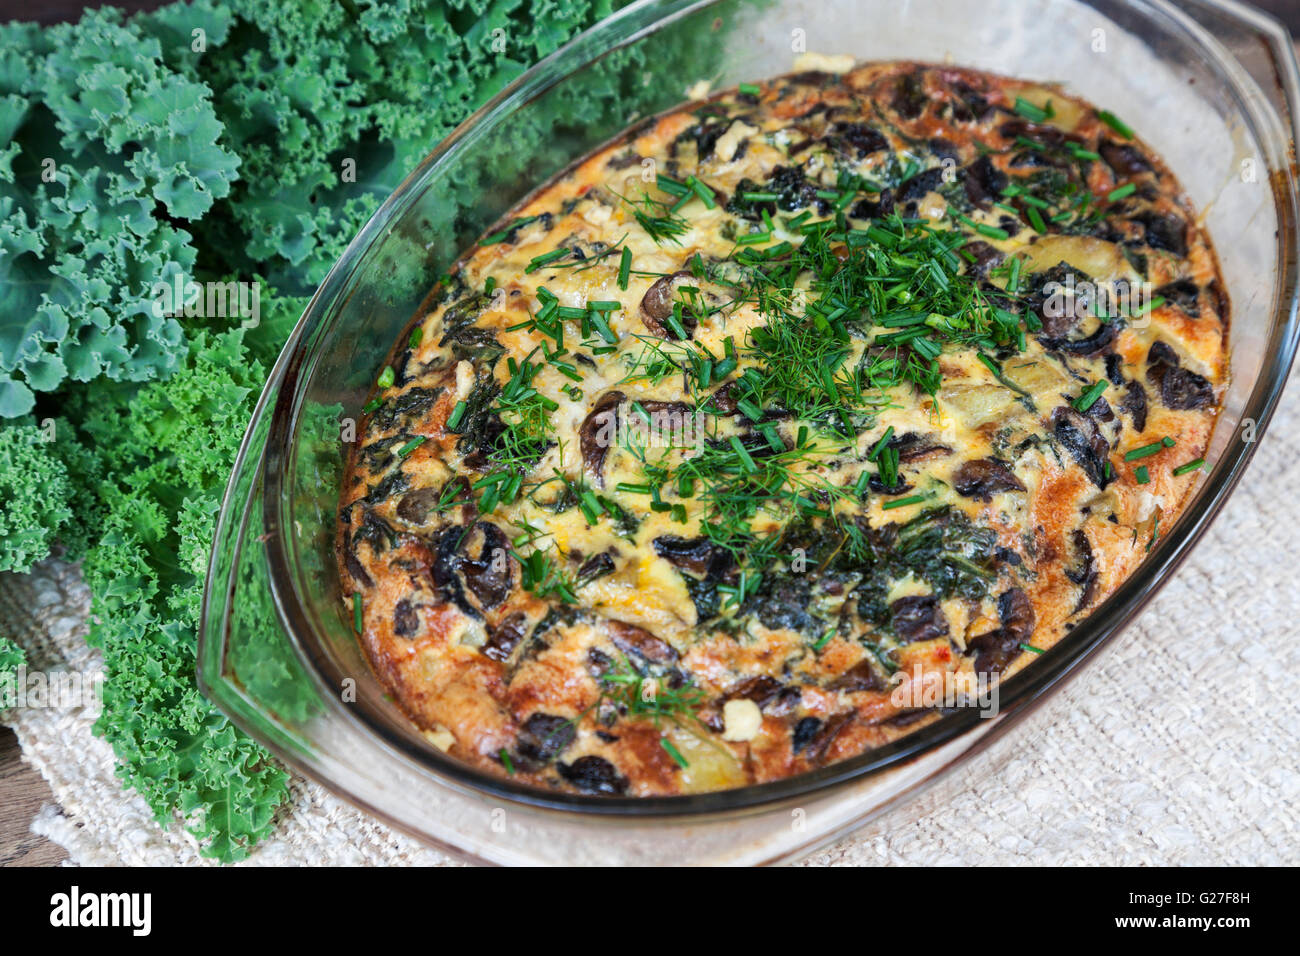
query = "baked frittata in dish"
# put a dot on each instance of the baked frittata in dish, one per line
(788, 421)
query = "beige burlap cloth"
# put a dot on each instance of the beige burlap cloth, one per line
(1179, 747)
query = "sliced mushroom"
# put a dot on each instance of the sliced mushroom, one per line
(1167, 231)
(597, 434)
(813, 737)
(984, 182)
(913, 447)
(861, 676)
(472, 567)
(1180, 388)
(1124, 159)
(657, 306)
(700, 556)
(983, 478)
(995, 650)
(593, 774)
(1134, 404)
(406, 621)
(761, 689)
(505, 637)
(637, 640)
(1085, 572)
(596, 566)
(1082, 438)
(857, 137)
(544, 736)
(418, 506)
(918, 618)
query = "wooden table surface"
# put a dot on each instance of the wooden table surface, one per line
(23, 791)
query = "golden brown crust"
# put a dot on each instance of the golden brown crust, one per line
(633, 674)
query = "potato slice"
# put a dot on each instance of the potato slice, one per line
(1097, 257)
(976, 405)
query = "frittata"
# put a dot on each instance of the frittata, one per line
(791, 419)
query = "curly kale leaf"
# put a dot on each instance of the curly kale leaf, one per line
(174, 446)
(104, 149)
(46, 492)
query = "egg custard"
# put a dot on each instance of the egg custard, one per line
(789, 420)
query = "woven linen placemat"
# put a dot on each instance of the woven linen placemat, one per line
(1178, 747)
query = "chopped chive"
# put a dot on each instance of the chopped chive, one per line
(1190, 466)
(769, 432)
(626, 487)
(504, 234)
(1168, 442)
(760, 197)
(605, 305)
(1115, 123)
(1145, 451)
(674, 752)
(1035, 114)
(821, 641)
(1090, 396)
(671, 186)
(903, 502)
(417, 336)
(1154, 303)
(745, 459)
(505, 762)
(880, 445)
(545, 259)
(625, 268)
(410, 446)
(1121, 192)
(993, 232)
(749, 88)
(371, 405)
(700, 189)
(456, 415)
(386, 377)
(602, 327)
(1036, 219)
(356, 611)
(1030, 647)
(1143, 476)
(754, 238)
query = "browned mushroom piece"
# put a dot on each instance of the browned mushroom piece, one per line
(657, 305)
(700, 556)
(918, 618)
(995, 650)
(597, 434)
(637, 640)
(1082, 438)
(861, 676)
(1084, 573)
(1180, 388)
(983, 478)
(761, 689)
(505, 637)
(913, 447)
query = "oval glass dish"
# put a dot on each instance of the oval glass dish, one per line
(1212, 86)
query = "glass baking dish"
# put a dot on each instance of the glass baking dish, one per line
(1212, 85)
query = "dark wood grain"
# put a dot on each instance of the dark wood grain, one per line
(22, 791)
